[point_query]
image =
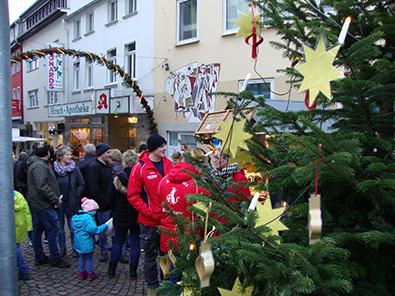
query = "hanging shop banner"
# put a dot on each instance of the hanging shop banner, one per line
(119, 105)
(75, 109)
(102, 101)
(54, 71)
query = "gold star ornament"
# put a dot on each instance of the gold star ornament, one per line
(318, 70)
(246, 23)
(233, 136)
(270, 216)
(237, 290)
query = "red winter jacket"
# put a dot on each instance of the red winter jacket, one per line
(143, 188)
(173, 189)
(240, 177)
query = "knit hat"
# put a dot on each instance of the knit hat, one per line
(102, 148)
(89, 204)
(154, 141)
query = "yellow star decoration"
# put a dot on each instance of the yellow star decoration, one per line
(246, 22)
(233, 137)
(237, 288)
(241, 157)
(318, 70)
(267, 214)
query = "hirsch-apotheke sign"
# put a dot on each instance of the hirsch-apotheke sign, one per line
(75, 109)
(54, 71)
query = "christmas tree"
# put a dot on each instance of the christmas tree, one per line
(355, 179)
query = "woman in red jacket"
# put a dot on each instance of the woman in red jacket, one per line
(223, 169)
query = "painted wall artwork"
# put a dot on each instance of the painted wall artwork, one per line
(189, 86)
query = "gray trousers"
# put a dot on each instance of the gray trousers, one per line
(150, 242)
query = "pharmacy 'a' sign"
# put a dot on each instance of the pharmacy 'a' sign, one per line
(102, 101)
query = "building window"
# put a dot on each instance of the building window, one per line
(113, 10)
(76, 75)
(18, 93)
(52, 97)
(32, 64)
(89, 22)
(231, 12)
(77, 29)
(130, 66)
(13, 94)
(187, 21)
(131, 6)
(112, 57)
(33, 98)
(89, 73)
(260, 88)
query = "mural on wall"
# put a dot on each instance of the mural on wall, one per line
(189, 86)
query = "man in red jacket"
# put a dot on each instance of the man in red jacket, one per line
(173, 189)
(142, 194)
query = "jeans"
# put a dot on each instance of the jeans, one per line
(174, 278)
(62, 214)
(22, 267)
(150, 241)
(46, 220)
(103, 217)
(88, 259)
(118, 243)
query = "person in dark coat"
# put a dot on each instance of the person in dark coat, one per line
(18, 185)
(99, 180)
(84, 164)
(116, 163)
(124, 216)
(71, 184)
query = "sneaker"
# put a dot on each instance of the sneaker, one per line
(23, 276)
(43, 261)
(103, 257)
(92, 276)
(60, 263)
(82, 275)
(124, 258)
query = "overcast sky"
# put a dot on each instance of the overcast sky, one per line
(17, 7)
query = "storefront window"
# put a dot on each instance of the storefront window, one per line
(98, 135)
(79, 137)
(79, 120)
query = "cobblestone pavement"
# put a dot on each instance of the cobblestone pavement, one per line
(46, 280)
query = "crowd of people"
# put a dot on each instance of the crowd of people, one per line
(108, 193)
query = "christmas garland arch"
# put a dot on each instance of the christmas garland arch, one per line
(130, 83)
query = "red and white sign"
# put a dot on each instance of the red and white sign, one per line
(54, 75)
(102, 100)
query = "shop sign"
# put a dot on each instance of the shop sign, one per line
(102, 100)
(119, 105)
(75, 109)
(54, 71)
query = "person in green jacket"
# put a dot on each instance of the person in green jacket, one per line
(23, 224)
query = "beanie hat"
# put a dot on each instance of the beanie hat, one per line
(89, 204)
(101, 148)
(154, 141)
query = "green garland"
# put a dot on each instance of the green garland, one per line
(34, 54)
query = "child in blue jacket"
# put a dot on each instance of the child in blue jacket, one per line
(84, 242)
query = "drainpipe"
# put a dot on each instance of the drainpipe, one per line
(8, 267)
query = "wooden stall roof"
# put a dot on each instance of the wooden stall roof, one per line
(210, 125)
